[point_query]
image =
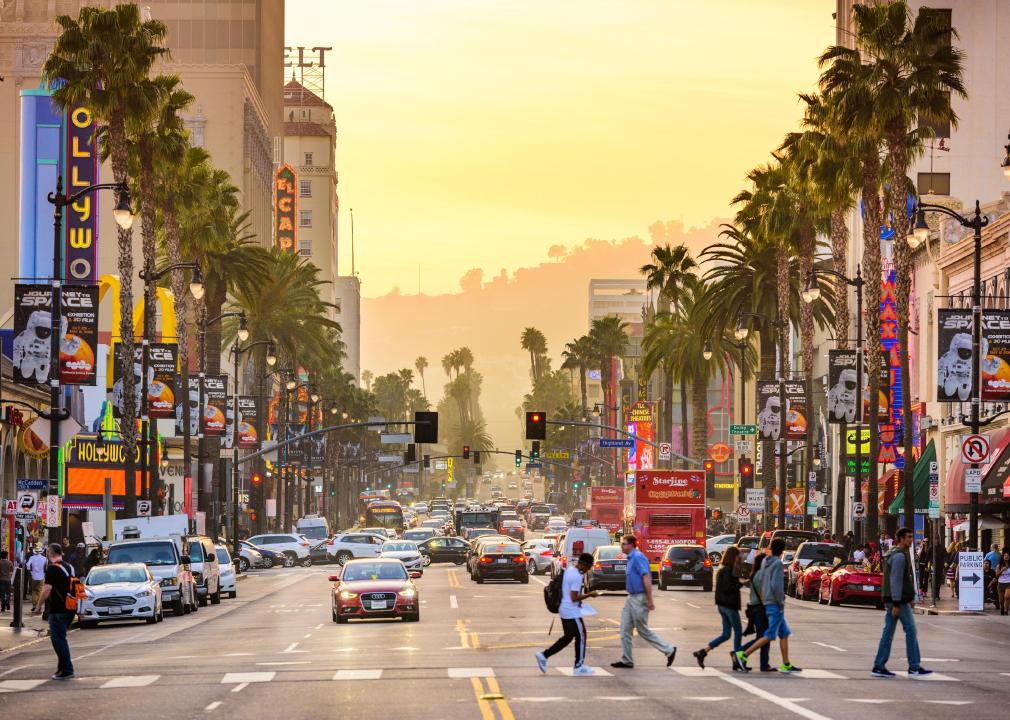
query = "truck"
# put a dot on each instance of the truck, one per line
(663, 508)
(467, 520)
(606, 506)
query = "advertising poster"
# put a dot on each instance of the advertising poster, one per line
(953, 366)
(296, 451)
(996, 355)
(639, 421)
(191, 398)
(162, 367)
(796, 409)
(842, 384)
(215, 406)
(286, 208)
(248, 421)
(769, 418)
(32, 344)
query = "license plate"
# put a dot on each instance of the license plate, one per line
(687, 576)
(378, 604)
(621, 566)
(115, 611)
(502, 561)
(869, 588)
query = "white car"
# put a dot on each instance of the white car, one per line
(348, 546)
(124, 591)
(404, 551)
(228, 584)
(421, 508)
(436, 524)
(250, 557)
(716, 546)
(294, 547)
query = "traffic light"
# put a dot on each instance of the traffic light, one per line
(519, 458)
(536, 425)
(410, 455)
(709, 478)
(535, 451)
(426, 427)
(476, 457)
(466, 452)
(717, 514)
(824, 511)
(427, 462)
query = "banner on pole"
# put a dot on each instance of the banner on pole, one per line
(32, 348)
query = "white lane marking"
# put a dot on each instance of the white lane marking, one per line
(213, 706)
(696, 607)
(238, 654)
(456, 647)
(833, 647)
(951, 702)
(870, 701)
(288, 662)
(940, 660)
(620, 698)
(13, 669)
(291, 649)
(240, 687)
(713, 698)
(173, 657)
(816, 674)
(538, 580)
(130, 681)
(358, 674)
(19, 685)
(935, 677)
(470, 672)
(453, 603)
(247, 677)
(692, 671)
(784, 703)
(407, 648)
(317, 627)
(306, 636)
(570, 672)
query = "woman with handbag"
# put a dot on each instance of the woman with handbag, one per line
(756, 614)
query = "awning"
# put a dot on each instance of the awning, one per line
(920, 485)
(985, 522)
(955, 498)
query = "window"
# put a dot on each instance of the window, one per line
(304, 218)
(305, 188)
(305, 247)
(933, 183)
(308, 159)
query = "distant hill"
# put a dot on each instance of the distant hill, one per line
(490, 312)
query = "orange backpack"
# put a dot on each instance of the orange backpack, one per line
(75, 591)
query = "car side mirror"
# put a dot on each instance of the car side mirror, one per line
(334, 578)
(185, 560)
(414, 575)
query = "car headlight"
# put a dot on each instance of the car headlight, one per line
(408, 592)
(348, 595)
(145, 593)
(168, 582)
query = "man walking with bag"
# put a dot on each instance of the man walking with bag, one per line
(899, 599)
(570, 612)
(54, 598)
(635, 616)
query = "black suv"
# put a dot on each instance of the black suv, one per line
(685, 565)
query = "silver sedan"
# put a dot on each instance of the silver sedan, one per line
(539, 555)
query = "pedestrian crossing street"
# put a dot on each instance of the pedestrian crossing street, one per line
(374, 674)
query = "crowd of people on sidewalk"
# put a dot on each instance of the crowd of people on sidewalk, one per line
(35, 562)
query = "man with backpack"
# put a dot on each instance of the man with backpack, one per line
(569, 609)
(59, 597)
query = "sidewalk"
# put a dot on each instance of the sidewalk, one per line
(947, 604)
(35, 630)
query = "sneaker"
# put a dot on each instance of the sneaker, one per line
(735, 660)
(699, 655)
(742, 659)
(670, 657)
(63, 676)
(919, 672)
(882, 672)
(541, 662)
(583, 670)
(769, 668)
(789, 668)
(622, 664)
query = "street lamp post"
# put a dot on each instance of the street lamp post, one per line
(919, 234)
(810, 294)
(123, 214)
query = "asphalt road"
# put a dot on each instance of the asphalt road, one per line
(274, 652)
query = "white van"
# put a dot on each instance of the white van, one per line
(575, 542)
(314, 527)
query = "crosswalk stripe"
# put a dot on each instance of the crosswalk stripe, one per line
(247, 677)
(130, 681)
(470, 672)
(692, 671)
(570, 672)
(817, 674)
(19, 685)
(935, 677)
(358, 674)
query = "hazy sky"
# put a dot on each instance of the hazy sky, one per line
(477, 133)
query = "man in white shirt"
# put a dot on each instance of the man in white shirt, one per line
(570, 612)
(37, 567)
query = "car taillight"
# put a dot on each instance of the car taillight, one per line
(667, 563)
(546, 553)
(519, 559)
(708, 563)
(484, 559)
(564, 561)
(597, 566)
(304, 544)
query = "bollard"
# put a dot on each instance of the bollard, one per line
(18, 591)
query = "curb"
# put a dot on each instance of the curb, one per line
(934, 611)
(29, 643)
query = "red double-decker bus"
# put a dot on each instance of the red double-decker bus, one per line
(606, 506)
(663, 508)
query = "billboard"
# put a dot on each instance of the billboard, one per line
(192, 399)
(32, 347)
(248, 421)
(842, 384)
(162, 366)
(215, 397)
(670, 487)
(954, 347)
(286, 209)
(996, 355)
(769, 418)
(796, 409)
(87, 469)
(640, 424)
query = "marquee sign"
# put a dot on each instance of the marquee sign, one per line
(286, 208)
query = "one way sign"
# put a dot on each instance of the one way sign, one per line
(970, 590)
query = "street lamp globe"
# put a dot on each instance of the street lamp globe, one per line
(123, 213)
(313, 394)
(243, 329)
(343, 416)
(196, 284)
(707, 351)
(291, 383)
(813, 289)
(271, 355)
(920, 232)
(333, 410)
(742, 331)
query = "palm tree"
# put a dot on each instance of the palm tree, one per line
(534, 342)
(578, 355)
(366, 378)
(421, 364)
(103, 60)
(609, 341)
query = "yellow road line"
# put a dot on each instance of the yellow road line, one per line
(503, 707)
(453, 579)
(482, 704)
(464, 636)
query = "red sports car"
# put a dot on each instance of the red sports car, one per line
(375, 588)
(808, 579)
(851, 582)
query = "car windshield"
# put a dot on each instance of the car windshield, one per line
(399, 547)
(511, 524)
(820, 552)
(313, 532)
(477, 532)
(222, 556)
(374, 571)
(106, 575)
(195, 552)
(149, 553)
(502, 549)
(793, 539)
(685, 553)
(609, 552)
(748, 541)
(416, 534)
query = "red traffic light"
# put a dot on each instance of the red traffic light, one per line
(535, 417)
(709, 465)
(256, 479)
(747, 469)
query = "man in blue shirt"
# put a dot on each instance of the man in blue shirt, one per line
(635, 616)
(993, 556)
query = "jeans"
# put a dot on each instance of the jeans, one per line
(635, 615)
(760, 626)
(575, 630)
(911, 639)
(59, 623)
(730, 622)
(5, 595)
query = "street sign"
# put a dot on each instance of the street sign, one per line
(742, 512)
(390, 458)
(850, 466)
(743, 429)
(27, 506)
(741, 446)
(557, 455)
(665, 451)
(975, 449)
(32, 484)
(533, 466)
(973, 480)
(811, 508)
(10, 508)
(626, 443)
(439, 464)
(934, 490)
(858, 510)
(54, 508)
(396, 438)
(970, 581)
(450, 477)
(143, 508)
(720, 452)
(756, 499)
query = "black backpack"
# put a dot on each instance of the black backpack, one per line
(552, 593)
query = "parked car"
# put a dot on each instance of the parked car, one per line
(443, 549)
(539, 555)
(205, 567)
(808, 580)
(249, 557)
(348, 546)
(294, 547)
(685, 565)
(716, 546)
(228, 580)
(166, 562)
(808, 552)
(609, 568)
(271, 558)
(368, 588)
(851, 582)
(121, 591)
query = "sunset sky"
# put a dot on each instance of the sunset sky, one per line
(478, 133)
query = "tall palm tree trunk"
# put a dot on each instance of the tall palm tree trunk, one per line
(583, 389)
(699, 419)
(180, 295)
(684, 433)
(871, 259)
(767, 372)
(839, 256)
(782, 288)
(147, 213)
(666, 427)
(807, 249)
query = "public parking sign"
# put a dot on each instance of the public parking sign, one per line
(970, 581)
(28, 506)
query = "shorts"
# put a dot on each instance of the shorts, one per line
(1002, 587)
(777, 627)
